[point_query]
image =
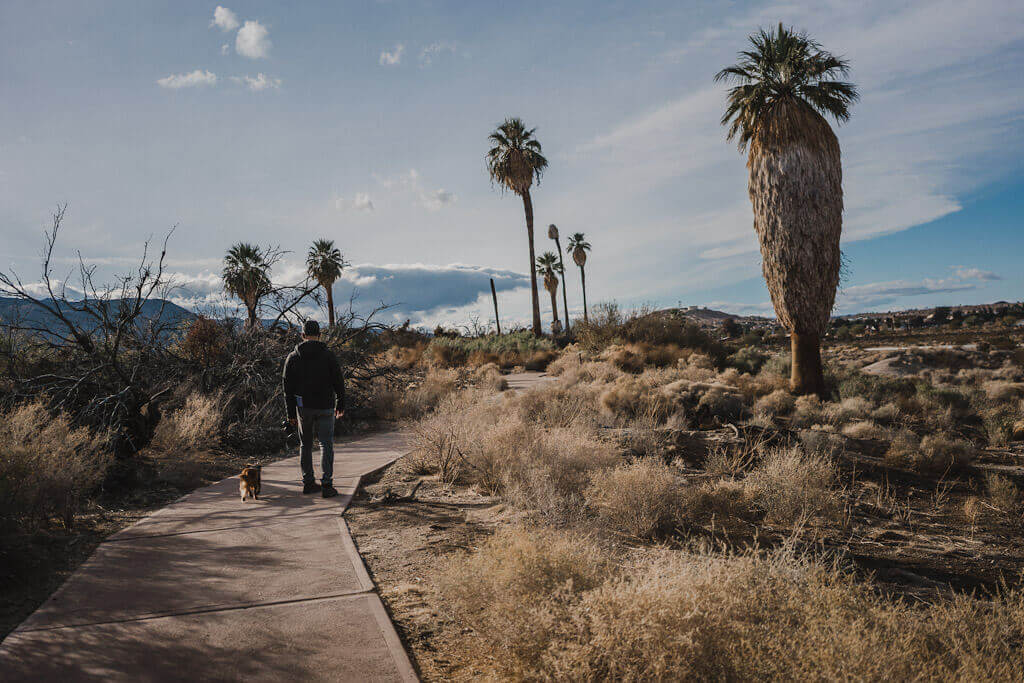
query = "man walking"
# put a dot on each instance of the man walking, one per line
(314, 392)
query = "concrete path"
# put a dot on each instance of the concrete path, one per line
(213, 589)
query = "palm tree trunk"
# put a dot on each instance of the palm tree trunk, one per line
(565, 300)
(583, 279)
(330, 304)
(494, 295)
(554, 311)
(528, 207)
(807, 376)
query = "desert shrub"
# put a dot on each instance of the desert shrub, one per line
(718, 405)
(779, 402)
(515, 591)
(630, 397)
(1002, 424)
(489, 376)
(205, 341)
(569, 361)
(748, 359)
(404, 357)
(781, 365)
(196, 424)
(48, 467)
(550, 476)
(396, 402)
(865, 429)
(558, 405)
(1002, 493)
(853, 408)
(808, 411)
(538, 360)
(641, 498)
(935, 453)
(823, 443)
(791, 484)
(624, 359)
(1003, 391)
(663, 355)
(886, 414)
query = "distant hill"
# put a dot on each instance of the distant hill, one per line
(15, 311)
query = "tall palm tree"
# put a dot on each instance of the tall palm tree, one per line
(548, 265)
(579, 246)
(553, 234)
(514, 162)
(324, 264)
(247, 276)
(785, 86)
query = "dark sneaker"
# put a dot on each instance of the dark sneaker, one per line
(311, 487)
(329, 491)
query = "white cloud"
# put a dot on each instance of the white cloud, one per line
(224, 19)
(434, 50)
(260, 82)
(225, 49)
(253, 40)
(410, 183)
(393, 57)
(360, 202)
(189, 80)
(861, 297)
(965, 273)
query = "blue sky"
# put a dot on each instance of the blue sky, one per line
(366, 122)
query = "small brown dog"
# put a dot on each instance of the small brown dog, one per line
(249, 481)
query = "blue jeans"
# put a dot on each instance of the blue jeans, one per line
(319, 423)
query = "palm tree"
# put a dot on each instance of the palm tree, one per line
(579, 247)
(514, 162)
(548, 265)
(247, 275)
(553, 234)
(786, 85)
(324, 264)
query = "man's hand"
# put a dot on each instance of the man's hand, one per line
(293, 421)
(338, 414)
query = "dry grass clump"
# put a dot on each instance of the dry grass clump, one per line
(865, 429)
(630, 397)
(886, 414)
(642, 498)
(47, 467)
(559, 405)
(404, 357)
(1002, 493)
(489, 376)
(779, 402)
(1003, 391)
(808, 411)
(823, 443)
(720, 405)
(935, 453)
(416, 399)
(550, 474)
(539, 360)
(550, 607)
(792, 485)
(723, 503)
(196, 425)
(853, 408)
(624, 358)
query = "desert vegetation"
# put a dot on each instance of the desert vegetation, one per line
(667, 508)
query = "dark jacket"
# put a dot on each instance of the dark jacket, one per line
(313, 378)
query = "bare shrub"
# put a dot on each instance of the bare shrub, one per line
(1003, 391)
(853, 408)
(821, 442)
(723, 503)
(808, 411)
(47, 467)
(886, 414)
(940, 453)
(489, 376)
(404, 357)
(641, 498)
(791, 484)
(722, 406)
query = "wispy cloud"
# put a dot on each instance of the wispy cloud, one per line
(260, 82)
(392, 57)
(411, 183)
(431, 52)
(859, 298)
(360, 202)
(253, 40)
(192, 79)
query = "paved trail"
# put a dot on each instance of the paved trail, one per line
(212, 589)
